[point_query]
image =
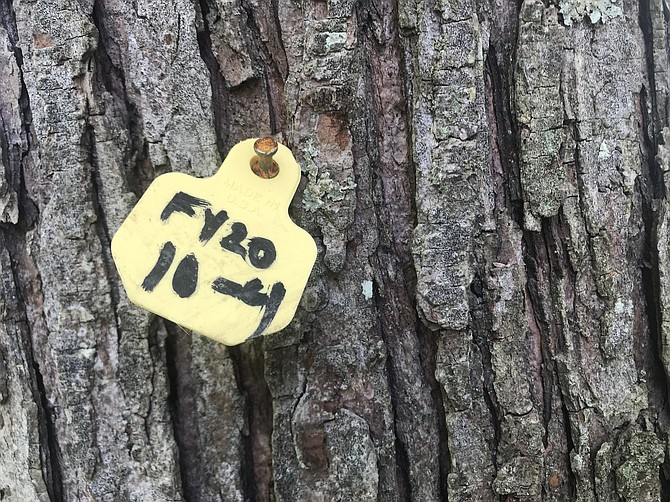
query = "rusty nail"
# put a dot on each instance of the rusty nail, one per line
(263, 165)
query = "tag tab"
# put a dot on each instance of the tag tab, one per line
(220, 255)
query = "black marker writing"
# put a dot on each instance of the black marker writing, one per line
(232, 241)
(212, 223)
(160, 268)
(183, 203)
(261, 252)
(251, 295)
(185, 278)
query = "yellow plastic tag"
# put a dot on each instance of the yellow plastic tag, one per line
(218, 255)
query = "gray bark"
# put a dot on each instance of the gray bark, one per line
(495, 170)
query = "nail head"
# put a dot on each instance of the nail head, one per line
(263, 165)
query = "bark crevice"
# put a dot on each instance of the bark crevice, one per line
(183, 409)
(402, 457)
(419, 470)
(110, 76)
(654, 126)
(572, 477)
(505, 133)
(14, 239)
(651, 189)
(101, 226)
(480, 338)
(220, 95)
(429, 352)
(256, 464)
(272, 76)
(50, 460)
(540, 271)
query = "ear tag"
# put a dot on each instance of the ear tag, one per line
(220, 255)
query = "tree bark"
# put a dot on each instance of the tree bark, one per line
(494, 171)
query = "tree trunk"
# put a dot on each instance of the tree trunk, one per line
(489, 314)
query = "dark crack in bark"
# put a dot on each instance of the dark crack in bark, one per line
(652, 127)
(183, 409)
(101, 226)
(49, 448)
(49, 452)
(651, 189)
(538, 267)
(428, 342)
(14, 239)
(410, 356)
(480, 337)
(220, 96)
(273, 75)
(110, 76)
(256, 464)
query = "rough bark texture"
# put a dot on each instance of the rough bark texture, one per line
(489, 315)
